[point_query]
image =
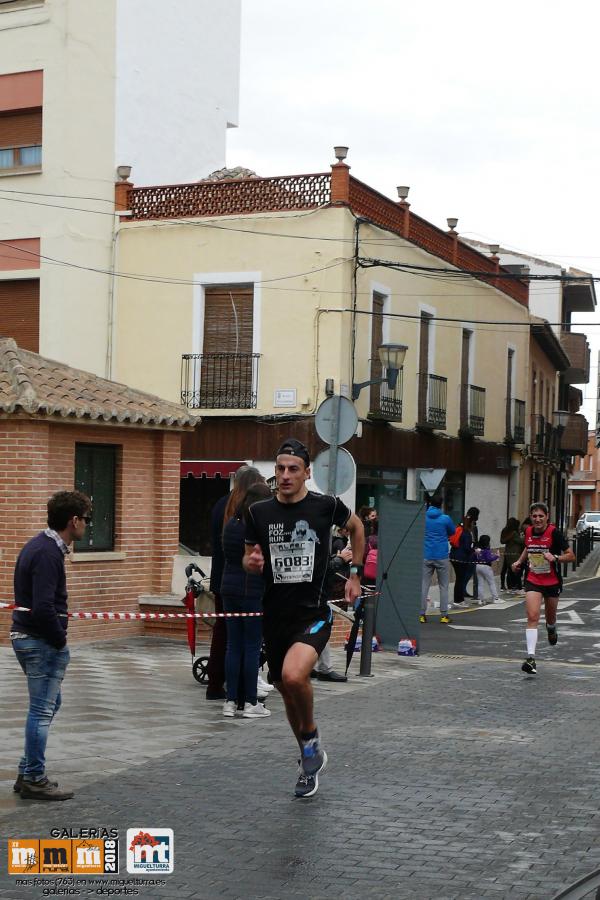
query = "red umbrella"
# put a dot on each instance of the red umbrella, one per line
(193, 589)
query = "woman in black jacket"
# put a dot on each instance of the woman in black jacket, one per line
(462, 556)
(242, 592)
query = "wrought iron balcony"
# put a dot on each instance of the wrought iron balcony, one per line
(219, 380)
(472, 410)
(433, 391)
(515, 421)
(544, 439)
(386, 403)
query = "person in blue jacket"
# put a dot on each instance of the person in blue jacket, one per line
(438, 528)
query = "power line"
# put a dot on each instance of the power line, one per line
(159, 279)
(369, 262)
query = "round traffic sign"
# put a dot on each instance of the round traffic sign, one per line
(344, 475)
(325, 419)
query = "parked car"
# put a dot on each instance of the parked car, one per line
(589, 520)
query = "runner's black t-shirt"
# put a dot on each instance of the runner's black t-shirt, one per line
(295, 539)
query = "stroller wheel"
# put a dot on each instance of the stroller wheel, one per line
(200, 669)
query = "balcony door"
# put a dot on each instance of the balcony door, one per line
(226, 371)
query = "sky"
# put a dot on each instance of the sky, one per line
(489, 112)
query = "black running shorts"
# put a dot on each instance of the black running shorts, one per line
(546, 590)
(279, 638)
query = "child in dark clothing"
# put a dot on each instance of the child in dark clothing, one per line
(484, 559)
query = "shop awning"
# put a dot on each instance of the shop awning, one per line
(210, 468)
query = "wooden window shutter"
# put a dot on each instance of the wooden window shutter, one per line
(228, 319)
(20, 312)
(21, 129)
(376, 341)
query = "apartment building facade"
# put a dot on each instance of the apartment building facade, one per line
(89, 89)
(559, 369)
(263, 294)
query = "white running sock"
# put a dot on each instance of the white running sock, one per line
(531, 638)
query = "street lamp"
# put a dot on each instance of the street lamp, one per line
(391, 357)
(561, 418)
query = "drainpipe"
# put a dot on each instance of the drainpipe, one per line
(122, 194)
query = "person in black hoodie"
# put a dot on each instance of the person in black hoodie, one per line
(39, 636)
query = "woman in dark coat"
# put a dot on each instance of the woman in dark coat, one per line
(242, 592)
(513, 542)
(462, 556)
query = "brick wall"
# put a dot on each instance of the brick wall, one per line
(37, 458)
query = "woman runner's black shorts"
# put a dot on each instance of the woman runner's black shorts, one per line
(279, 638)
(546, 590)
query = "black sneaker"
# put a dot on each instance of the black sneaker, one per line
(529, 666)
(307, 785)
(43, 790)
(552, 636)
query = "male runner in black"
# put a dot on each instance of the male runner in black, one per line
(288, 539)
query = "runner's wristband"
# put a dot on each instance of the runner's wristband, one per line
(356, 570)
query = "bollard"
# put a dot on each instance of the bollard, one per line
(368, 630)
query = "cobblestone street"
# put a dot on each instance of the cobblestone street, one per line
(448, 778)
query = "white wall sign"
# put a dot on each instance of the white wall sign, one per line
(285, 397)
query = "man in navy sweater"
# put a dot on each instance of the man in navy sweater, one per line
(39, 637)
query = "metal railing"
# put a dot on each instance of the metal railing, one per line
(583, 543)
(219, 380)
(472, 409)
(387, 403)
(433, 390)
(544, 439)
(518, 426)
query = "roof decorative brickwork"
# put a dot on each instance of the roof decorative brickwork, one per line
(239, 192)
(32, 384)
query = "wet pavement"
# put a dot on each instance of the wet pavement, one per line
(451, 775)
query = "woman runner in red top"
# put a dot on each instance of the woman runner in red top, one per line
(546, 548)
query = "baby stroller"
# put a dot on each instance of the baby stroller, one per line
(193, 589)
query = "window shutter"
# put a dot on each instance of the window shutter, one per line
(21, 129)
(20, 312)
(228, 319)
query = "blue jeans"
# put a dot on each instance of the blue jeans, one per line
(45, 668)
(244, 638)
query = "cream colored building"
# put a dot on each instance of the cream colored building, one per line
(260, 296)
(87, 86)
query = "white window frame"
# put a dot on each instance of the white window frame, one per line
(202, 280)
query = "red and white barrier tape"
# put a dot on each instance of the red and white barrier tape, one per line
(128, 616)
(134, 615)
